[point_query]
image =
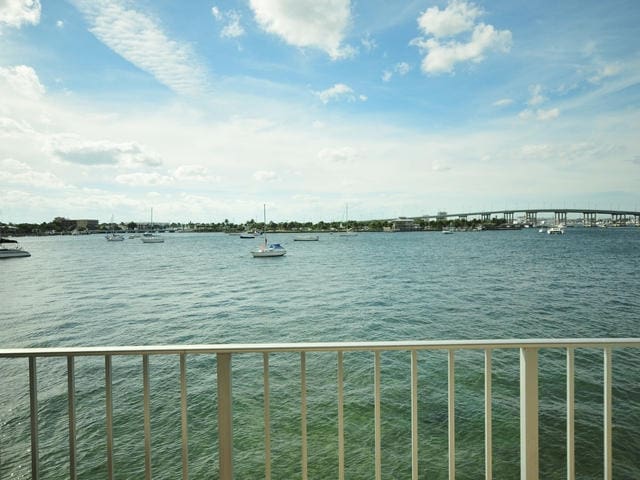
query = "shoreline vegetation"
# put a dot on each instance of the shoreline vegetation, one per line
(62, 226)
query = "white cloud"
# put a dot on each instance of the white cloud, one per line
(319, 24)
(536, 95)
(265, 176)
(606, 71)
(339, 91)
(141, 40)
(439, 166)
(60, 24)
(443, 51)
(22, 80)
(539, 114)
(458, 17)
(16, 13)
(549, 114)
(368, 43)
(141, 179)
(11, 128)
(19, 173)
(233, 28)
(194, 173)
(73, 149)
(341, 156)
(402, 68)
(503, 102)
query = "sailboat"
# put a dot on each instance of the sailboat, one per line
(113, 236)
(150, 237)
(349, 231)
(267, 249)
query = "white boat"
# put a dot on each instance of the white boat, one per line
(268, 249)
(248, 235)
(447, 231)
(113, 236)
(348, 232)
(306, 238)
(556, 230)
(14, 252)
(150, 237)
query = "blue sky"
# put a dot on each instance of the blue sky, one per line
(206, 110)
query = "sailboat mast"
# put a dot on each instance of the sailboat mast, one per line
(264, 221)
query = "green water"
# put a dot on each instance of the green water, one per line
(206, 288)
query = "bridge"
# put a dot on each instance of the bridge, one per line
(589, 216)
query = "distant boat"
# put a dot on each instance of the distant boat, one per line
(14, 252)
(113, 236)
(268, 249)
(447, 231)
(306, 238)
(348, 232)
(556, 230)
(150, 237)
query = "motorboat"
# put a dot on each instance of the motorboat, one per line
(556, 230)
(269, 250)
(306, 238)
(14, 252)
(447, 231)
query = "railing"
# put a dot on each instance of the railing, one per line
(528, 379)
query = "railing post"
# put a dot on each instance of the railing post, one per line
(71, 402)
(528, 413)
(108, 386)
(33, 407)
(225, 420)
(608, 405)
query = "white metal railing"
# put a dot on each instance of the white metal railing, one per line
(529, 451)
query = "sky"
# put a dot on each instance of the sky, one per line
(208, 110)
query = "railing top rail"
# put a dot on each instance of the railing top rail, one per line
(322, 347)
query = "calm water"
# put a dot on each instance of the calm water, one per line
(206, 288)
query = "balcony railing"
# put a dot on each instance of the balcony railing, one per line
(528, 381)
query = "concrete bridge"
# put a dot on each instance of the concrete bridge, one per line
(589, 216)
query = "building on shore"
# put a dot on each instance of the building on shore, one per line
(403, 224)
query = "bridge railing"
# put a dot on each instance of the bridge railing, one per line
(528, 379)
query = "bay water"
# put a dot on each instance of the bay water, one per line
(208, 289)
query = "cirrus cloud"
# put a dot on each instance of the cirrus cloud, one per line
(140, 39)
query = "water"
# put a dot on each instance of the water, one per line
(206, 288)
